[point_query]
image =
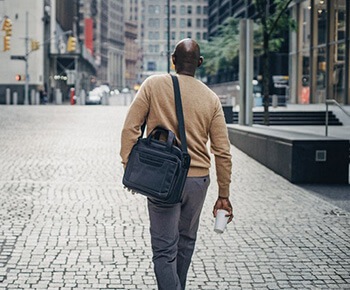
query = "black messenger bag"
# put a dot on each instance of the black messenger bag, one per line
(157, 167)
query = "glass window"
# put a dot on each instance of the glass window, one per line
(182, 10)
(182, 23)
(339, 82)
(322, 22)
(173, 22)
(205, 10)
(199, 10)
(189, 22)
(173, 9)
(151, 66)
(182, 34)
(189, 9)
(198, 23)
(205, 23)
(198, 36)
(157, 9)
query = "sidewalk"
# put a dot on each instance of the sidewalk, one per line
(337, 195)
(67, 223)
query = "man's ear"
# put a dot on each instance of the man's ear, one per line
(173, 59)
(200, 61)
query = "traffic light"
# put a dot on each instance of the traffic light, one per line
(71, 44)
(7, 45)
(7, 26)
(18, 78)
(34, 44)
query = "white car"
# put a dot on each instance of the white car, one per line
(94, 98)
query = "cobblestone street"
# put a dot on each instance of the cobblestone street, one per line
(66, 222)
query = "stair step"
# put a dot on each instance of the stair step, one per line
(293, 118)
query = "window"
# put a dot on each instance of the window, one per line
(189, 22)
(173, 35)
(205, 36)
(173, 9)
(151, 66)
(189, 9)
(189, 34)
(199, 10)
(156, 9)
(198, 23)
(173, 22)
(198, 36)
(205, 22)
(182, 10)
(182, 34)
(205, 10)
(182, 23)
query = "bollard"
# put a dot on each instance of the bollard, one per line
(15, 98)
(8, 96)
(37, 98)
(105, 100)
(32, 97)
(82, 97)
(274, 101)
(58, 97)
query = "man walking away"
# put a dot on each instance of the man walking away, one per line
(173, 227)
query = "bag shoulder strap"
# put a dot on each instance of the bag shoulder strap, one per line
(179, 113)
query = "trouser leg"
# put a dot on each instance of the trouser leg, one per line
(193, 198)
(164, 221)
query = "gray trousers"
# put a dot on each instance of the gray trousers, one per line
(173, 229)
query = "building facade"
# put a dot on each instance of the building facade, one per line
(110, 43)
(219, 11)
(320, 51)
(26, 26)
(131, 55)
(186, 18)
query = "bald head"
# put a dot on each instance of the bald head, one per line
(186, 57)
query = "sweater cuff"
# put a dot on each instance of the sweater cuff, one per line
(224, 192)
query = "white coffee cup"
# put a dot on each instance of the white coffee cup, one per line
(221, 221)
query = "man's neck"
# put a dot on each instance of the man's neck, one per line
(187, 73)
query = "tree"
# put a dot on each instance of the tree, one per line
(272, 20)
(221, 50)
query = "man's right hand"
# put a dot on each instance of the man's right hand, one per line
(223, 203)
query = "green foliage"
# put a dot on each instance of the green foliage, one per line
(220, 51)
(273, 21)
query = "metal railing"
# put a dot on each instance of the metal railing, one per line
(333, 102)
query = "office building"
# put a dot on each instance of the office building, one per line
(320, 51)
(186, 18)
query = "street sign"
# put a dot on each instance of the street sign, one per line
(19, 57)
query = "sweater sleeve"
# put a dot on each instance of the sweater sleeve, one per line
(220, 147)
(136, 116)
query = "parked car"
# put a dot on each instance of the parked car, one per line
(94, 97)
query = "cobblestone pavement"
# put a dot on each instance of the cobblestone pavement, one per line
(66, 221)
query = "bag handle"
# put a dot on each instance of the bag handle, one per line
(180, 119)
(157, 132)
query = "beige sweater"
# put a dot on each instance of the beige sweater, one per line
(204, 119)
